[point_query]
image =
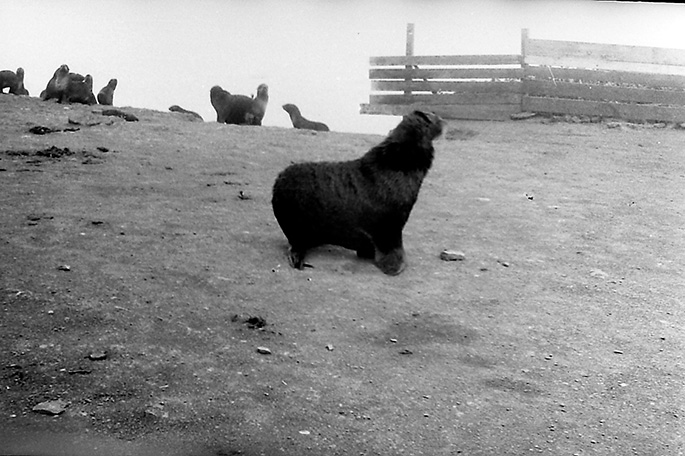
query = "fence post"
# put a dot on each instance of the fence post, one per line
(524, 66)
(409, 53)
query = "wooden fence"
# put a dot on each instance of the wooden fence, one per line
(552, 77)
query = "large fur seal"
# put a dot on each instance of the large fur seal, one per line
(57, 85)
(361, 204)
(239, 109)
(80, 89)
(219, 99)
(300, 122)
(13, 81)
(106, 94)
(69, 87)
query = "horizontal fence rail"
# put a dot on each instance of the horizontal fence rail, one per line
(635, 83)
(462, 86)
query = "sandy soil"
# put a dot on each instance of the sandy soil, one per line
(142, 270)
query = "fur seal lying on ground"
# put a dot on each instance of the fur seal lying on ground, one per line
(192, 114)
(13, 81)
(106, 94)
(239, 109)
(301, 122)
(361, 204)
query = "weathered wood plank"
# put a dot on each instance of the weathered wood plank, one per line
(602, 92)
(448, 86)
(633, 112)
(446, 73)
(384, 110)
(614, 77)
(447, 99)
(595, 64)
(446, 60)
(469, 112)
(604, 53)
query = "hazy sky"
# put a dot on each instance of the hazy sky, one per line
(314, 53)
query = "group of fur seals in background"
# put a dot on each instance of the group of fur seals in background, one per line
(244, 110)
(361, 204)
(239, 109)
(13, 81)
(67, 87)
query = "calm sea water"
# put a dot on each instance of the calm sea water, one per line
(311, 53)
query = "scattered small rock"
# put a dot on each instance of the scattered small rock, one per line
(329, 347)
(255, 322)
(452, 255)
(64, 267)
(41, 130)
(598, 273)
(252, 322)
(523, 115)
(243, 196)
(89, 120)
(98, 356)
(51, 407)
(54, 152)
(406, 352)
(118, 113)
(618, 352)
(79, 372)
(157, 410)
(263, 351)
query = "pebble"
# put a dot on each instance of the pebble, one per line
(51, 407)
(97, 356)
(598, 273)
(452, 255)
(263, 350)
(522, 115)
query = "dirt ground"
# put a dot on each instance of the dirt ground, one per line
(143, 274)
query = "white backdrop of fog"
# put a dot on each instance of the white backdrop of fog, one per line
(311, 53)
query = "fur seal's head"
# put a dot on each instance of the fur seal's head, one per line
(291, 109)
(263, 92)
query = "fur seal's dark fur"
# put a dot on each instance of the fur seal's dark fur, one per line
(69, 87)
(361, 204)
(239, 109)
(301, 122)
(191, 114)
(13, 81)
(106, 94)
(57, 85)
(80, 89)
